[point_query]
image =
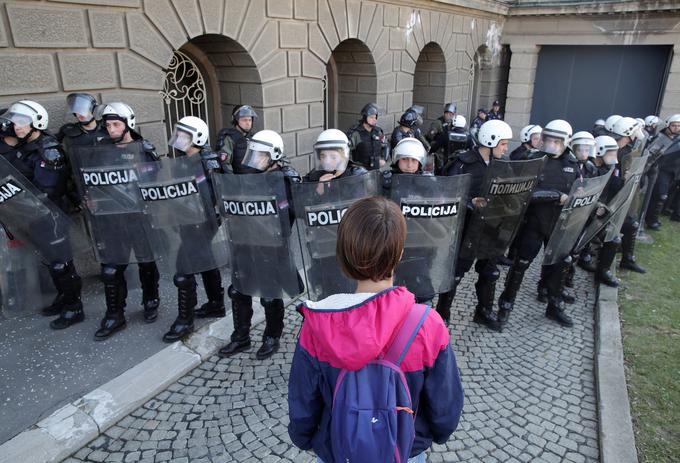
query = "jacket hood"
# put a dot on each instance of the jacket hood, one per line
(351, 336)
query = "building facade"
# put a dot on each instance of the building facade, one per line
(306, 64)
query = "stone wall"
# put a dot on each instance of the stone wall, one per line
(269, 53)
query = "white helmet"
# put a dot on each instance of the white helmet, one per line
(409, 148)
(492, 132)
(526, 133)
(599, 122)
(651, 120)
(264, 148)
(603, 144)
(673, 118)
(328, 141)
(189, 130)
(558, 128)
(459, 121)
(583, 145)
(25, 112)
(625, 127)
(611, 120)
(118, 110)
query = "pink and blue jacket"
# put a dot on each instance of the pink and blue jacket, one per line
(346, 332)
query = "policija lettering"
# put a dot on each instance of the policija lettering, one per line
(419, 210)
(9, 190)
(170, 191)
(249, 208)
(109, 177)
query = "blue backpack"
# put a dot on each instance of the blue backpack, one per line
(372, 418)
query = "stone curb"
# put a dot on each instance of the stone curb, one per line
(617, 440)
(74, 425)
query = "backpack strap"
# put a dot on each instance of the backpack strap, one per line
(406, 334)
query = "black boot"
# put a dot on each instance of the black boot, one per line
(274, 312)
(212, 282)
(186, 303)
(541, 289)
(652, 217)
(604, 273)
(628, 252)
(555, 311)
(513, 281)
(148, 277)
(71, 285)
(484, 314)
(445, 300)
(115, 293)
(57, 304)
(586, 260)
(242, 314)
(569, 280)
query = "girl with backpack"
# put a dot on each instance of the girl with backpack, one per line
(373, 377)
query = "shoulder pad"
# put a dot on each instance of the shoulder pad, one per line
(71, 130)
(52, 155)
(48, 141)
(468, 157)
(211, 164)
(535, 154)
(356, 170)
(207, 153)
(571, 158)
(150, 149)
(291, 174)
(353, 129)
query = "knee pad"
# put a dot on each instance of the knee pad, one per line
(271, 302)
(59, 268)
(490, 277)
(235, 295)
(663, 197)
(522, 264)
(184, 281)
(110, 274)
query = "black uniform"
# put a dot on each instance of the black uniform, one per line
(43, 162)
(471, 162)
(668, 166)
(367, 147)
(542, 214)
(74, 134)
(232, 145)
(414, 132)
(521, 153)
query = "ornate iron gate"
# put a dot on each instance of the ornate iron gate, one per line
(184, 91)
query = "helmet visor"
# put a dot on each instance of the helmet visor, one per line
(552, 145)
(583, 152)
(180, 140)
(80, 105)
(331, 160)
(19, 119)
(257, 159)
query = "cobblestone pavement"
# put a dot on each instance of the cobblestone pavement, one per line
(529, 397)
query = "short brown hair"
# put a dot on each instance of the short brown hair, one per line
(371, 239)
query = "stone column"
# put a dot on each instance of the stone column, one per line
(671, 97)
(523, 62)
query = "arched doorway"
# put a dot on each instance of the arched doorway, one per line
(429, 81)
(351, 82)
(207, 78)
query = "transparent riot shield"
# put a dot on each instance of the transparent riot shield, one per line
(29, 216)
(434, 209)
(507, 189)
(583, 198)
(258, 218)
(319, 206)
(616, 209)
(179, 209)
(107, 177)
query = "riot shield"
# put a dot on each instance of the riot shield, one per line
(434, 209)
(582, 200)
(507, 189)
(258, 218)
(107, 177)
(319, 206)
(178, 207)
(636, 152)
(28, 215)
(617, 208)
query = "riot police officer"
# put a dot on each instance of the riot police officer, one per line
(42, 161)
(606, 158)
(367, 140)
(120, 122)
(560, 171)
(440, 124)
(626, 131)
(530, 136)
(87, 131)
(265, 153)
(477, 122)
(651, 123)
(669, 166)
(493, 138)
(408, 127)
(609, 124)
(332, 158)
(190, 138)
(232, 142)
(598, 128)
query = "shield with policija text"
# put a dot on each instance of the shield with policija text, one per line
(319, 207)
(583, 198)
(507, 188)
(107, 177)
(179, 208)
(258, 216)
(29, 216)
(434, 209)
